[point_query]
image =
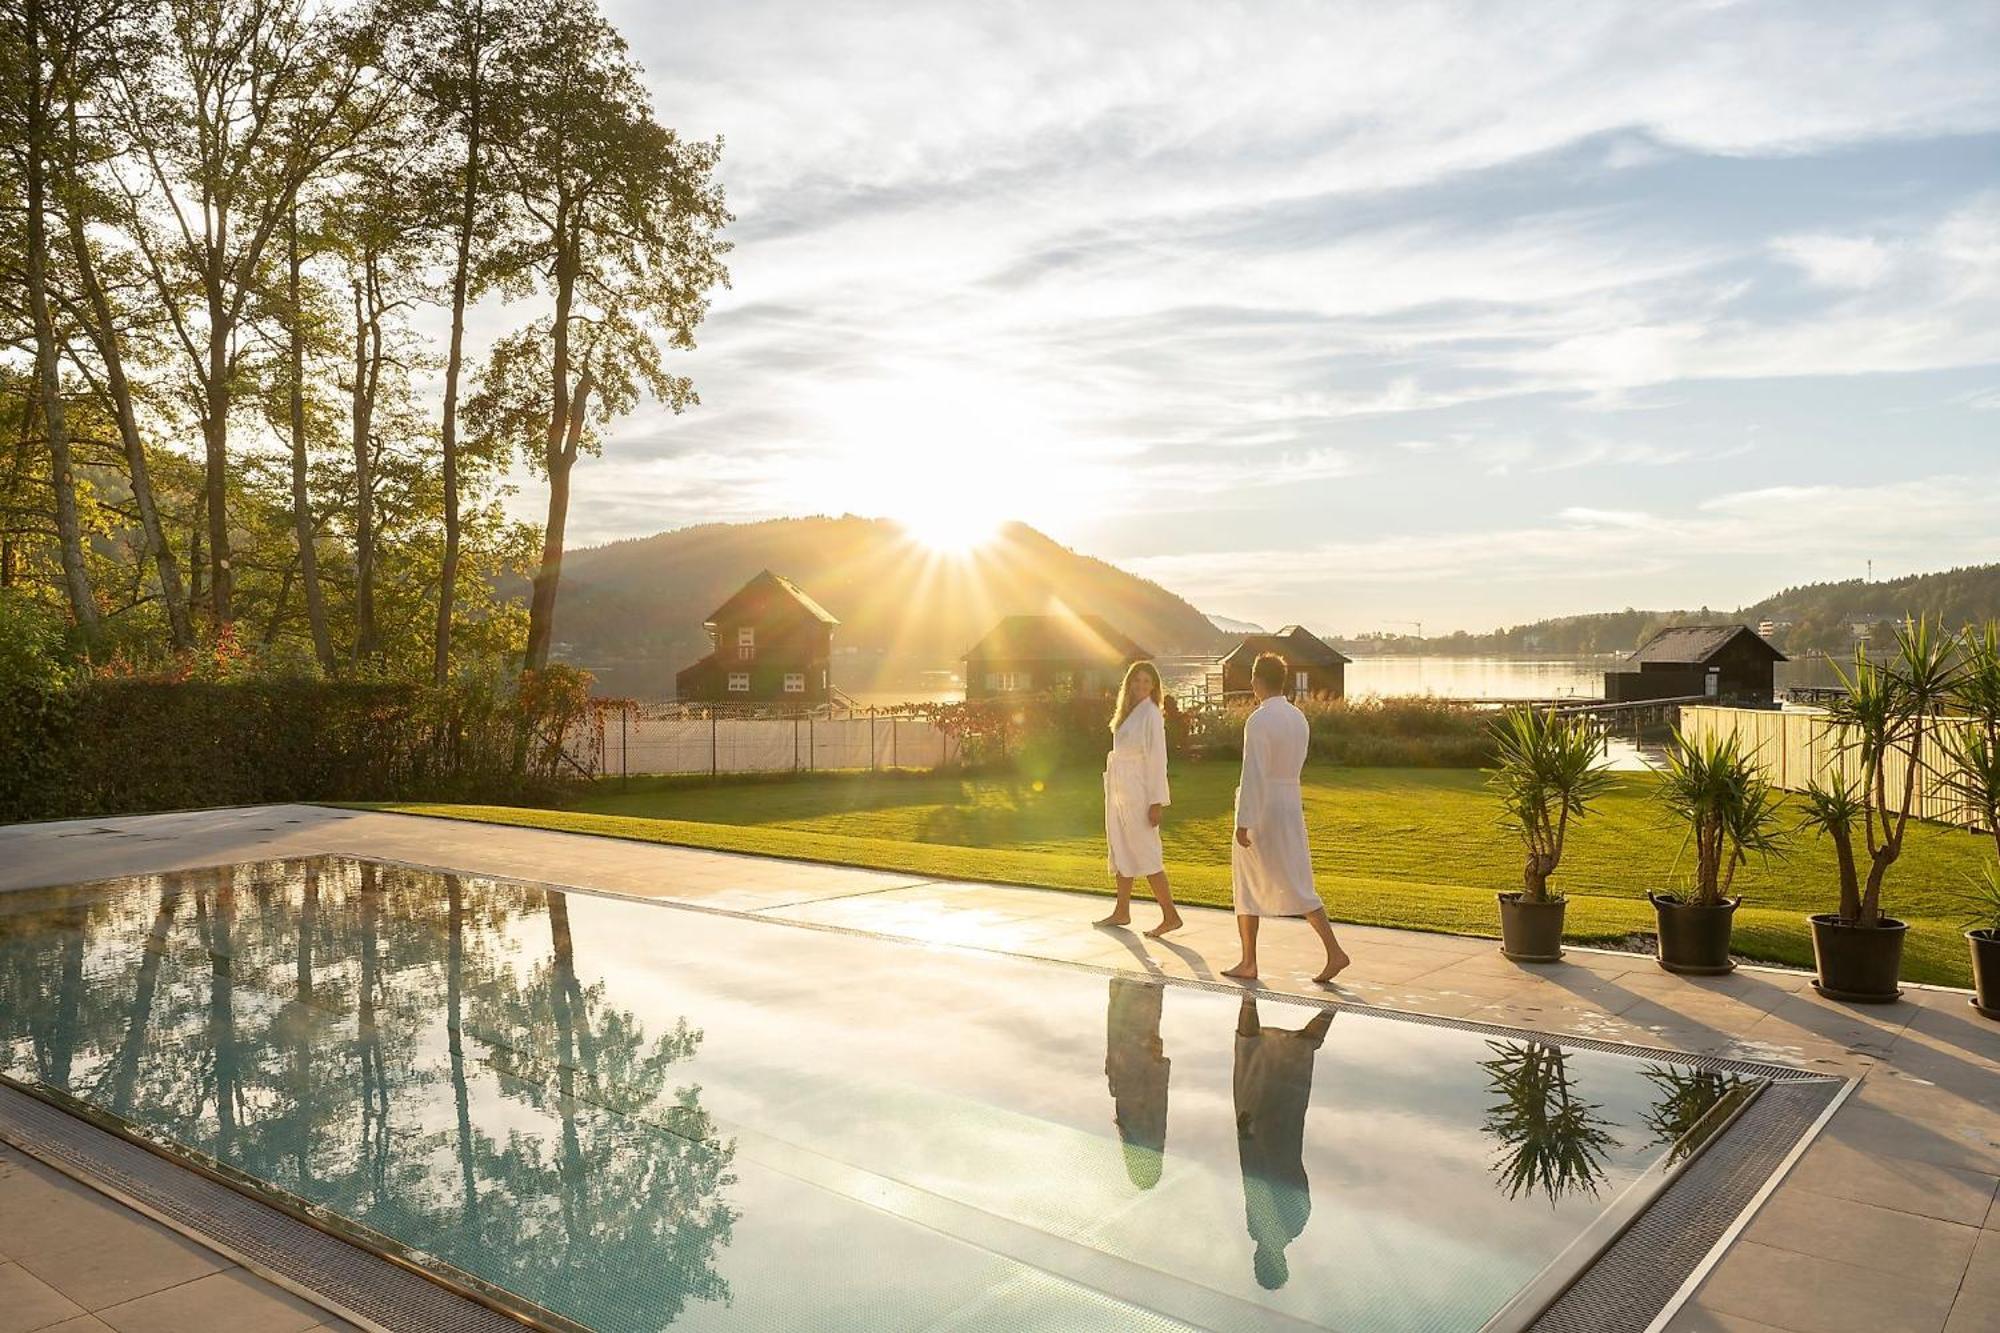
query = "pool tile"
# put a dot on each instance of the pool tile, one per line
(128, 1260)
(233, 1301)
(28, 1303)
(1863, 1235)
(1839, 1170)
(1813, 1295)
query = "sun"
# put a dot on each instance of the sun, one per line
(949, 529)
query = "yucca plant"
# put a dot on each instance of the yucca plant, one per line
(1972, 742)
(1832, 807)
(1716, 788)
(1888, 711)
(1550, 767)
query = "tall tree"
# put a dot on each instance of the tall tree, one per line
(450, 51)
(39, 43)
(304, 529)
(109, 33)
(246, 100)
(622, 230)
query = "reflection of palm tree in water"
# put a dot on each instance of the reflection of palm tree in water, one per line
(1136, 1066)
(1274, 1070)
(1552, 1141)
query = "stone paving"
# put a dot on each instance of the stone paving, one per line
(1889, 1222)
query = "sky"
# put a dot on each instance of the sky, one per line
(1352, 315)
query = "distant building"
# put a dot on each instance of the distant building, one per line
(1771, 629)
(1314, 668)
(1727, 663)
(1044, 654)
(772, 644)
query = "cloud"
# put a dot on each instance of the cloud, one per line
(1122, 266)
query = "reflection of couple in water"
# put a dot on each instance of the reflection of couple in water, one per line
(1272, 1084)
(1270, 862)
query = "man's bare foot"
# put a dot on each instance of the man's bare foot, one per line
(1168, 925)
(1241, 972)
(1336, 963)
(1115, 919)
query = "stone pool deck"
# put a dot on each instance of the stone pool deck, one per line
(1888, 1223)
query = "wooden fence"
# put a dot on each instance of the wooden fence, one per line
(1795, 747)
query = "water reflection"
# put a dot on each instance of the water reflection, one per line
(1136, 1066)
(285, 1019)
(1273, 1084)
(550, 1090)
(1552, 1141)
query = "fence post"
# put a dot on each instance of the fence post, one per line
(895, 754)
(871, 740)
(624, 746)
(795, 742)
(712, 765)
(812, 745)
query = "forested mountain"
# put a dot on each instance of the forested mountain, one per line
(633, 610)
(1811, 618)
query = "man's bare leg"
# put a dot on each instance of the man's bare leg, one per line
(1336, 957)
(1246, 927)
(1170, 920)
(1121, 915)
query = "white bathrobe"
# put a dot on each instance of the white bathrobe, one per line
(1135, 778)
(1273, 876)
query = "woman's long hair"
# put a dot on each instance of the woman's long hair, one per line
(1126, 702)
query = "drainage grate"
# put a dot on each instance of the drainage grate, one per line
(361, 1286)
(1633, 1280)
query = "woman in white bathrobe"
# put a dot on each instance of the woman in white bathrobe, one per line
(1135, 795)
(1270, 868)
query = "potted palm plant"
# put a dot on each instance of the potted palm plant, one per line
(1550, 767)
(1719, 792)
(1972, 746)
(1881, 724)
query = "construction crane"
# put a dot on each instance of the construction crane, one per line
(1418, 625)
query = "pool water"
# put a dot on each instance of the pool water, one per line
(641, 1116)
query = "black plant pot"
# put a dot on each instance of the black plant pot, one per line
(1858, 963)
(1694, 938)
(1985, 971)
(1531, 932)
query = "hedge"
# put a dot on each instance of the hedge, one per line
(103, 747)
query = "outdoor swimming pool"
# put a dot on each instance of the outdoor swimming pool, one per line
(637, 1115)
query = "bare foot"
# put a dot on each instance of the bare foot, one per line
(1336, 963)
(1168, 925)
(1241, 972)
(1115, 919)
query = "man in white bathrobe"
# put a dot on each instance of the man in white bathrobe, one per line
(1270, 871)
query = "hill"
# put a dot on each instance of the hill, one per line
(632, 611)
(1810, 619)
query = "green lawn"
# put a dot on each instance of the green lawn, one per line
(1416, 848)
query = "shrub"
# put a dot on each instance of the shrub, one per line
(1420, 731)
(111, 746)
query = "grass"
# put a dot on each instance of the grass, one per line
(1414, 848)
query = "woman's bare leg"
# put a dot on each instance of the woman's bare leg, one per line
(1170, 920)
(1336, 957)
(1246, 927)
(1121, 915)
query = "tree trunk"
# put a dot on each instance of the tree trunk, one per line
(564, 425)
(104, 336)
(366, 366)
(215, 444)
(48, 372)
(302, 520)
(468, 217)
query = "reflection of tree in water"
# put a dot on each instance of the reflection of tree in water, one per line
(1687, 1096)
(1552, 1141)
(294, 1020)
(639, 1168)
